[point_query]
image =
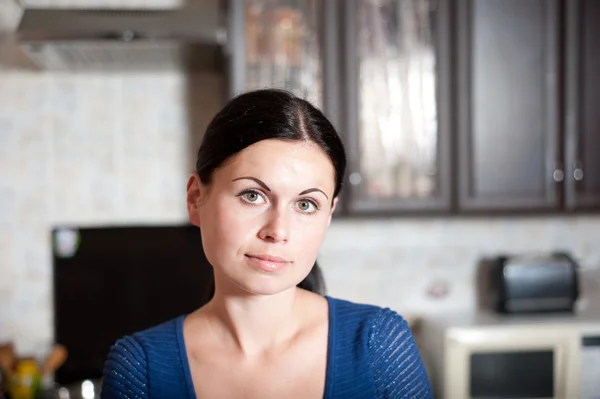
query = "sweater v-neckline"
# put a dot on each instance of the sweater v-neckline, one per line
(329, 369)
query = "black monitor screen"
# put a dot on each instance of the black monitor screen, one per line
(110, 282)
(518, 374)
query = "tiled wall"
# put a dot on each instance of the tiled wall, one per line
(115, 148)
(402, 263)
(86, 149)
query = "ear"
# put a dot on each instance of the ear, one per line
(194, 198)
(335, 201)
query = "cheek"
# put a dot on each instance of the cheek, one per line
(223, 231)
(309, 237)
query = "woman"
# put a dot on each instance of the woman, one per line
(268, 175)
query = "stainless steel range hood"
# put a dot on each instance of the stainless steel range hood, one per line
(124, 39)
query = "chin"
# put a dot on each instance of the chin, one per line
(272, 287)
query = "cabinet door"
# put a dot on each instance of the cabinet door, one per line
(508, 105)
(277, 43)
(583, 99)
(397, 91)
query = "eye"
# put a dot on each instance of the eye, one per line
(252, 197)
(307, 206)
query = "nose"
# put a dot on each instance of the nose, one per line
(276, 228)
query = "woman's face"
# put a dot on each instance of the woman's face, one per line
(263, 217)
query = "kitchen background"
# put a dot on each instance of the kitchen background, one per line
(100, 148)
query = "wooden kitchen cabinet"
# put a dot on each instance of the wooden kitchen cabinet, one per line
(445, 106)
(283, 46)
(397, 85)
(279, 43)
(380, 70)
(582, 130)
(509, 113)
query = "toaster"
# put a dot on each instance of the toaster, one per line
(529, 284)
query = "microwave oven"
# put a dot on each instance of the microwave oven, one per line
(489, 355)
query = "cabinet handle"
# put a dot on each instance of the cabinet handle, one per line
(558, 175)
(578, 171)
(355, 178)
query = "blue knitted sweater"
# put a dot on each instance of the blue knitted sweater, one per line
(371, 354)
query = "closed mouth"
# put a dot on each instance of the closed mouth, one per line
(268, 258)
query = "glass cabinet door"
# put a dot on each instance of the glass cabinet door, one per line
(283, 46)
(398, 119)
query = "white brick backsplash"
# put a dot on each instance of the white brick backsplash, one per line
(86, 149)
(408, 255)
(105, 149)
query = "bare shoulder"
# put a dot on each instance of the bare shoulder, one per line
(314, 308)
(194, 328)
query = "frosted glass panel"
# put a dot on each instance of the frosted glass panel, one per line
(283, 46)
(398, 116)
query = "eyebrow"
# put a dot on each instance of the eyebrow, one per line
(312, 190)
(263, 185)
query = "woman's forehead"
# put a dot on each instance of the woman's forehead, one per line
(299, 163)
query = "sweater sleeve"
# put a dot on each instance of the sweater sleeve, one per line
(398, 371)
(125, 371)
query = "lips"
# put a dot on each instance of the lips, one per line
(267, 263)
(268, 258)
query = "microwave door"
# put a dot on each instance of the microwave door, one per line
(590, 366)
(512, 374)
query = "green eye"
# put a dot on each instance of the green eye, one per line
(251, 196)
(306, 206)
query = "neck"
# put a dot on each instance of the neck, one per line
(255, 323)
